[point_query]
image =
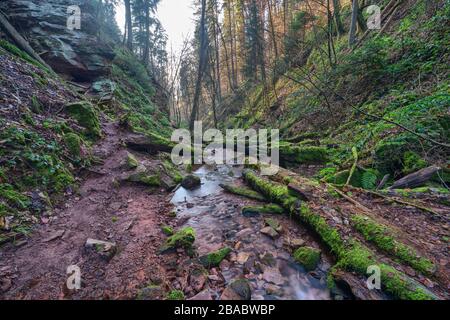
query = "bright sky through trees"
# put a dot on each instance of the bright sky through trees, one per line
(176, 17)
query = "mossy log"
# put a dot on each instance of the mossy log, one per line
(416, 179)
(151, 144)
(243, 191)
(351, 254)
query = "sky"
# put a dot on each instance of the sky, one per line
(176, 17)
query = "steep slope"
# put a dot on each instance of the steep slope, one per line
(388, 98)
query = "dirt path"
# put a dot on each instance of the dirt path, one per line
(130, 216)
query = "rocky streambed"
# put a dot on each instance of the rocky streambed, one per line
(260, 265)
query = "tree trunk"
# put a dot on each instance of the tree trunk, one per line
(20, 41)
(353, 24)
(201, 67)
(337, 17)
(129, 24)
(145, 56)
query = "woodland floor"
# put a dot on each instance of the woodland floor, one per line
(132, 216)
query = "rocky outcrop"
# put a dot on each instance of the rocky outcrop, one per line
(77, 54)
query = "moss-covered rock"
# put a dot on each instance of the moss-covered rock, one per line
(167, 230)
(184, 238)
(73, 144)
(273, 224)
(142, 176)
(307, 257)
(213, 259)
(176, 295)
(150, 293)
(191, 182)
(412, 162)
(86, 115)
(131, 161)
(238, 290)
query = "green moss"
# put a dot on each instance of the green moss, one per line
(167, 230)
(143, 177)
(307, 257)
(242, 191)
(213, 259)
(36, 106)
(175, 295)
(266, 209)
(13, 197)
(87, 116)
(131, 161)
(62, 181)
(182, 239)
(412, 162)
(303, 154)
(73, 144)
(20, 54)
(383, 238)
(172, 171)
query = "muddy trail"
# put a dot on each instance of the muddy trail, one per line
(129, 215)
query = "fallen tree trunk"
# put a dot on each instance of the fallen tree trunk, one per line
(149, 144)
(416, 179)
(20, 41)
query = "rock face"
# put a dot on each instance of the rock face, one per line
(78, 54)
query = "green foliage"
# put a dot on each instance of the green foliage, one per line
(131, 161)
(133, 68)
(369, 179)
(213, 259)
(87, 116)
(303, 154)
(167, 230)
(412, 162)
(73, 144)
(20, 54)
(12, 197)
(26, 149)
(243, 191)
(176, 295)
(182, 239)
(307, 257)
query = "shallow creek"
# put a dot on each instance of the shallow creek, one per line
(217, 219)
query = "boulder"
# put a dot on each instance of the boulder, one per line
(191, 182)
(151, 293)
(79, 54)
(214, 259)
(182, 239)
(237, 290)
(308, 257)
(270, 232)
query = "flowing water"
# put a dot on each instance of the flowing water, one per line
(217, 219)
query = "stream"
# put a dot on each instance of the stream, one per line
(267, 264)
